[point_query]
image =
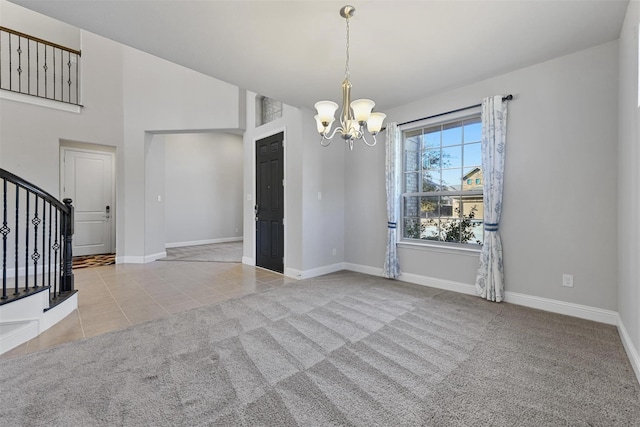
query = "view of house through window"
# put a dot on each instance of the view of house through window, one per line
(442, 183)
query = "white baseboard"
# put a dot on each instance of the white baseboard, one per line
(153, 257)
(203, 242)
(632, 352)
(562, 307)
(248, 261)
(448, 285)
(140, 259)
(314, 272)
(359, 268)
(570, 309)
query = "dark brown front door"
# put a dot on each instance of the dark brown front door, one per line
(270, 203)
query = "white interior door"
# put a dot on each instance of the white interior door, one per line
(88, 181)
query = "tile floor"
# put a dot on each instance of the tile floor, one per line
(117, 296)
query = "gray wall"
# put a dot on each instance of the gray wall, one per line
(313, 228)
(560, 200)
(203, 187)
(629, 181)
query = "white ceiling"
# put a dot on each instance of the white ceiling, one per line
(294, 50)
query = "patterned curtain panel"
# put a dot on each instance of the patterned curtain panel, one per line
(490, 278)
(391, 264)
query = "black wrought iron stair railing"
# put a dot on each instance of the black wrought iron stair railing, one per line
(33, 66)
(37, 232)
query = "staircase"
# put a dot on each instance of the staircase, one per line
(36, 231)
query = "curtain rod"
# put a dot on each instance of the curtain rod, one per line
(504, 98)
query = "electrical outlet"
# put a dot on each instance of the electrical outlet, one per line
(567, 280)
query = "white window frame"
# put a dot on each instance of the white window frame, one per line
(424, 243)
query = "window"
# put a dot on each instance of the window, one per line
(442, 197)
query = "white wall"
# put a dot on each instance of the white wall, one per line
(560, 200)
(30, 135)
(126, 94)
(629, 183)
(203, 187)
(16, 17)
(155, 181)
(162, 97)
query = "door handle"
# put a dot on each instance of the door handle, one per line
(108, 212)
(256, 210)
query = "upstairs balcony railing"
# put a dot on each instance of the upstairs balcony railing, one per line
(36, 232)
(36, 67)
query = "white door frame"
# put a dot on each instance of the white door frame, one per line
(82, 147)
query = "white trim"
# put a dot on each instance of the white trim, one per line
(26, 329)
(130, 260)
(293, 273)
(140, 259)
(632, 352)
(153, 257)
(433, 282)
(59, 312)
(41, 102)
(314, 272)
(248, 261)
(359, 268)
(11, 272)
(203, 242)
(562, 307)
(67, 145)
(29, 312)
(443, 248)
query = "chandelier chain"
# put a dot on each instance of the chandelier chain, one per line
(347, 73)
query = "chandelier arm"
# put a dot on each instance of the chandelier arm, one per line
(363, 137)
(323, 143)
(338, 128)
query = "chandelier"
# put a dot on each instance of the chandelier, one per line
(356, 116)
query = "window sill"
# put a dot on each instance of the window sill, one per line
(431, 247)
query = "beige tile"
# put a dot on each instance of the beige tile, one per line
(114, 297)
(177, 308)
(200, 292)
(141, 314)
(213, 299)
(234, 293)
(91, 318)
(128, 294)
(105, 307)
(67, 330)
(173, 299)
(109, 324)
(20, 350)
(88, 298)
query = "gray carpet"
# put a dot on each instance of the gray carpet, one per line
(340, 350)
(214, 252)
